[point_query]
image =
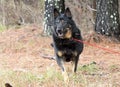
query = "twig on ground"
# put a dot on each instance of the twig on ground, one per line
(47, 57)
(90, 8)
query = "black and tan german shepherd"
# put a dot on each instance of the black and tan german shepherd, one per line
(66, 49)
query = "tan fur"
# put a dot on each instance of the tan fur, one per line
(66, 78)
(75, 53)
(60, 53)
(68, 34)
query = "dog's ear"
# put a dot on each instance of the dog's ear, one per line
(68, 13)
(56, 13)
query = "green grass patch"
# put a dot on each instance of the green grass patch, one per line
(2, 28)
(52, 74)
(53, 77)
(114, 68)
(18, 78)
(89, 68)
(26, 78)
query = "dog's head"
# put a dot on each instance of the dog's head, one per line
(63, 24)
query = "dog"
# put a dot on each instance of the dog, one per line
(66, 49)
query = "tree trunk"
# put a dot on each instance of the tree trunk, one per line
(107, 20)
(60, 5)
(3, 12)
(48, 14)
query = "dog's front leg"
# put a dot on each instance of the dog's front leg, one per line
(60, 62)
(65, 75)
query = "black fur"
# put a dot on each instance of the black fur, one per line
(66, 49)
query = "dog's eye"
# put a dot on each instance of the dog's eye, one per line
(67, 28)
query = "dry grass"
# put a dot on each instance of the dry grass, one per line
(21, 63)
(52, 78)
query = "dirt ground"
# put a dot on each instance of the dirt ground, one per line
(23, 50)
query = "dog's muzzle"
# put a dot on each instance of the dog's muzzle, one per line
(59, 33)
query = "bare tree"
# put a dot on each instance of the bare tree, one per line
(48, 14)
(107, 20)
(2, 2)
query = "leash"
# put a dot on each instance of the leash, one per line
(94, 45)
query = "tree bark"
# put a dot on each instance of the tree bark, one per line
(107, 20)
(3, 12)
(48, 14)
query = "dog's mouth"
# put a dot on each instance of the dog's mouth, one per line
(60, 33)
(64, 35)
(68, 34)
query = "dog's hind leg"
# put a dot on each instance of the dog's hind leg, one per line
(74, 64)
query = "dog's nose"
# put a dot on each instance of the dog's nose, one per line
(59, 31)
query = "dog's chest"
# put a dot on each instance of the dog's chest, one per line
(66, 45)
(67, 49)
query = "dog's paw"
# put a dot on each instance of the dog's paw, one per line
(66, 78)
